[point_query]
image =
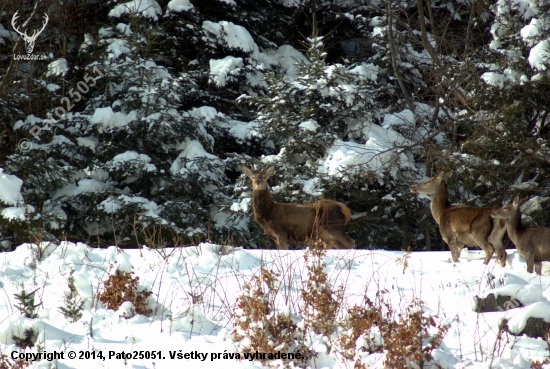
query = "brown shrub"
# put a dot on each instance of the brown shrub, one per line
(546, 362)
(321, 301)
(406, 339)
(360, 320)
(7, 363)
(259, 328)
(120, 287)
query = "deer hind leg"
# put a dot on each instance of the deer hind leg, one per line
(486, 246)
(499, 229)
(538, 268)
(338, 237)
(489, 251)
(501, 256)
(345, 241)
(329, 239)
(500, 250)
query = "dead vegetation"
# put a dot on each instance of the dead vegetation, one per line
(8, 363)
(121, 287)
(545, 363)
(258, 327)
(322, 301)
(406, 338)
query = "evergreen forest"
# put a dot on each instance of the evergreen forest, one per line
(128, 122)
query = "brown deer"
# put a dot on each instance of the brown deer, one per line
(284, 222)
(533, 244)
(463, 225)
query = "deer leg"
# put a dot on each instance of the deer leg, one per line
(329, 239)
(501, 256)
(495, 238)
(538, 268)
(338, 244)
(489, 251)
(486, 246)
(451, 244)
(349, 243)
(345, 241)
(500, 250)
(530, 259)
(282, 241)
(459, 248)
(455, 254)
(456, 249)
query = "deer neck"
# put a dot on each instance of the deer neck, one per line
(514, 227)
(439, 201)
(261, 203)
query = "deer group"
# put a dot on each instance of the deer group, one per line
(484, 226)
(459, 225)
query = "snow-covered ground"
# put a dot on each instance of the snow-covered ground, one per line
(213, 276)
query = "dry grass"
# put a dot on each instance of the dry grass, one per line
(8, 363)
(544, 364)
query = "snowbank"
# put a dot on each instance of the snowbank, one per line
(10, 189)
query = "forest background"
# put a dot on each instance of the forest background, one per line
(146, 110)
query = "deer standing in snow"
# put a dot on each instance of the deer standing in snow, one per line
(284, 222)
(533, 244)
(463, 225)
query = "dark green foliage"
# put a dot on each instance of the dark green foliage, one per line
(73, 304)
(28, 340)
(504, 146)
(26, 305)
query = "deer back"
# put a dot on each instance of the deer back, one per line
(306, 221)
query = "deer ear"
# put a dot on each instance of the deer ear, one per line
(269, 170)
(247, 171)
(443, 175)
(516, 200)
(522, 201)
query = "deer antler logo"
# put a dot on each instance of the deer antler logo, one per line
(29, 40)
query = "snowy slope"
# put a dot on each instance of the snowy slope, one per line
(213, 276)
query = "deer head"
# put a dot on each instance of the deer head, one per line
(259, 179)
(29, 40)
(430, 185)
(510, 210)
